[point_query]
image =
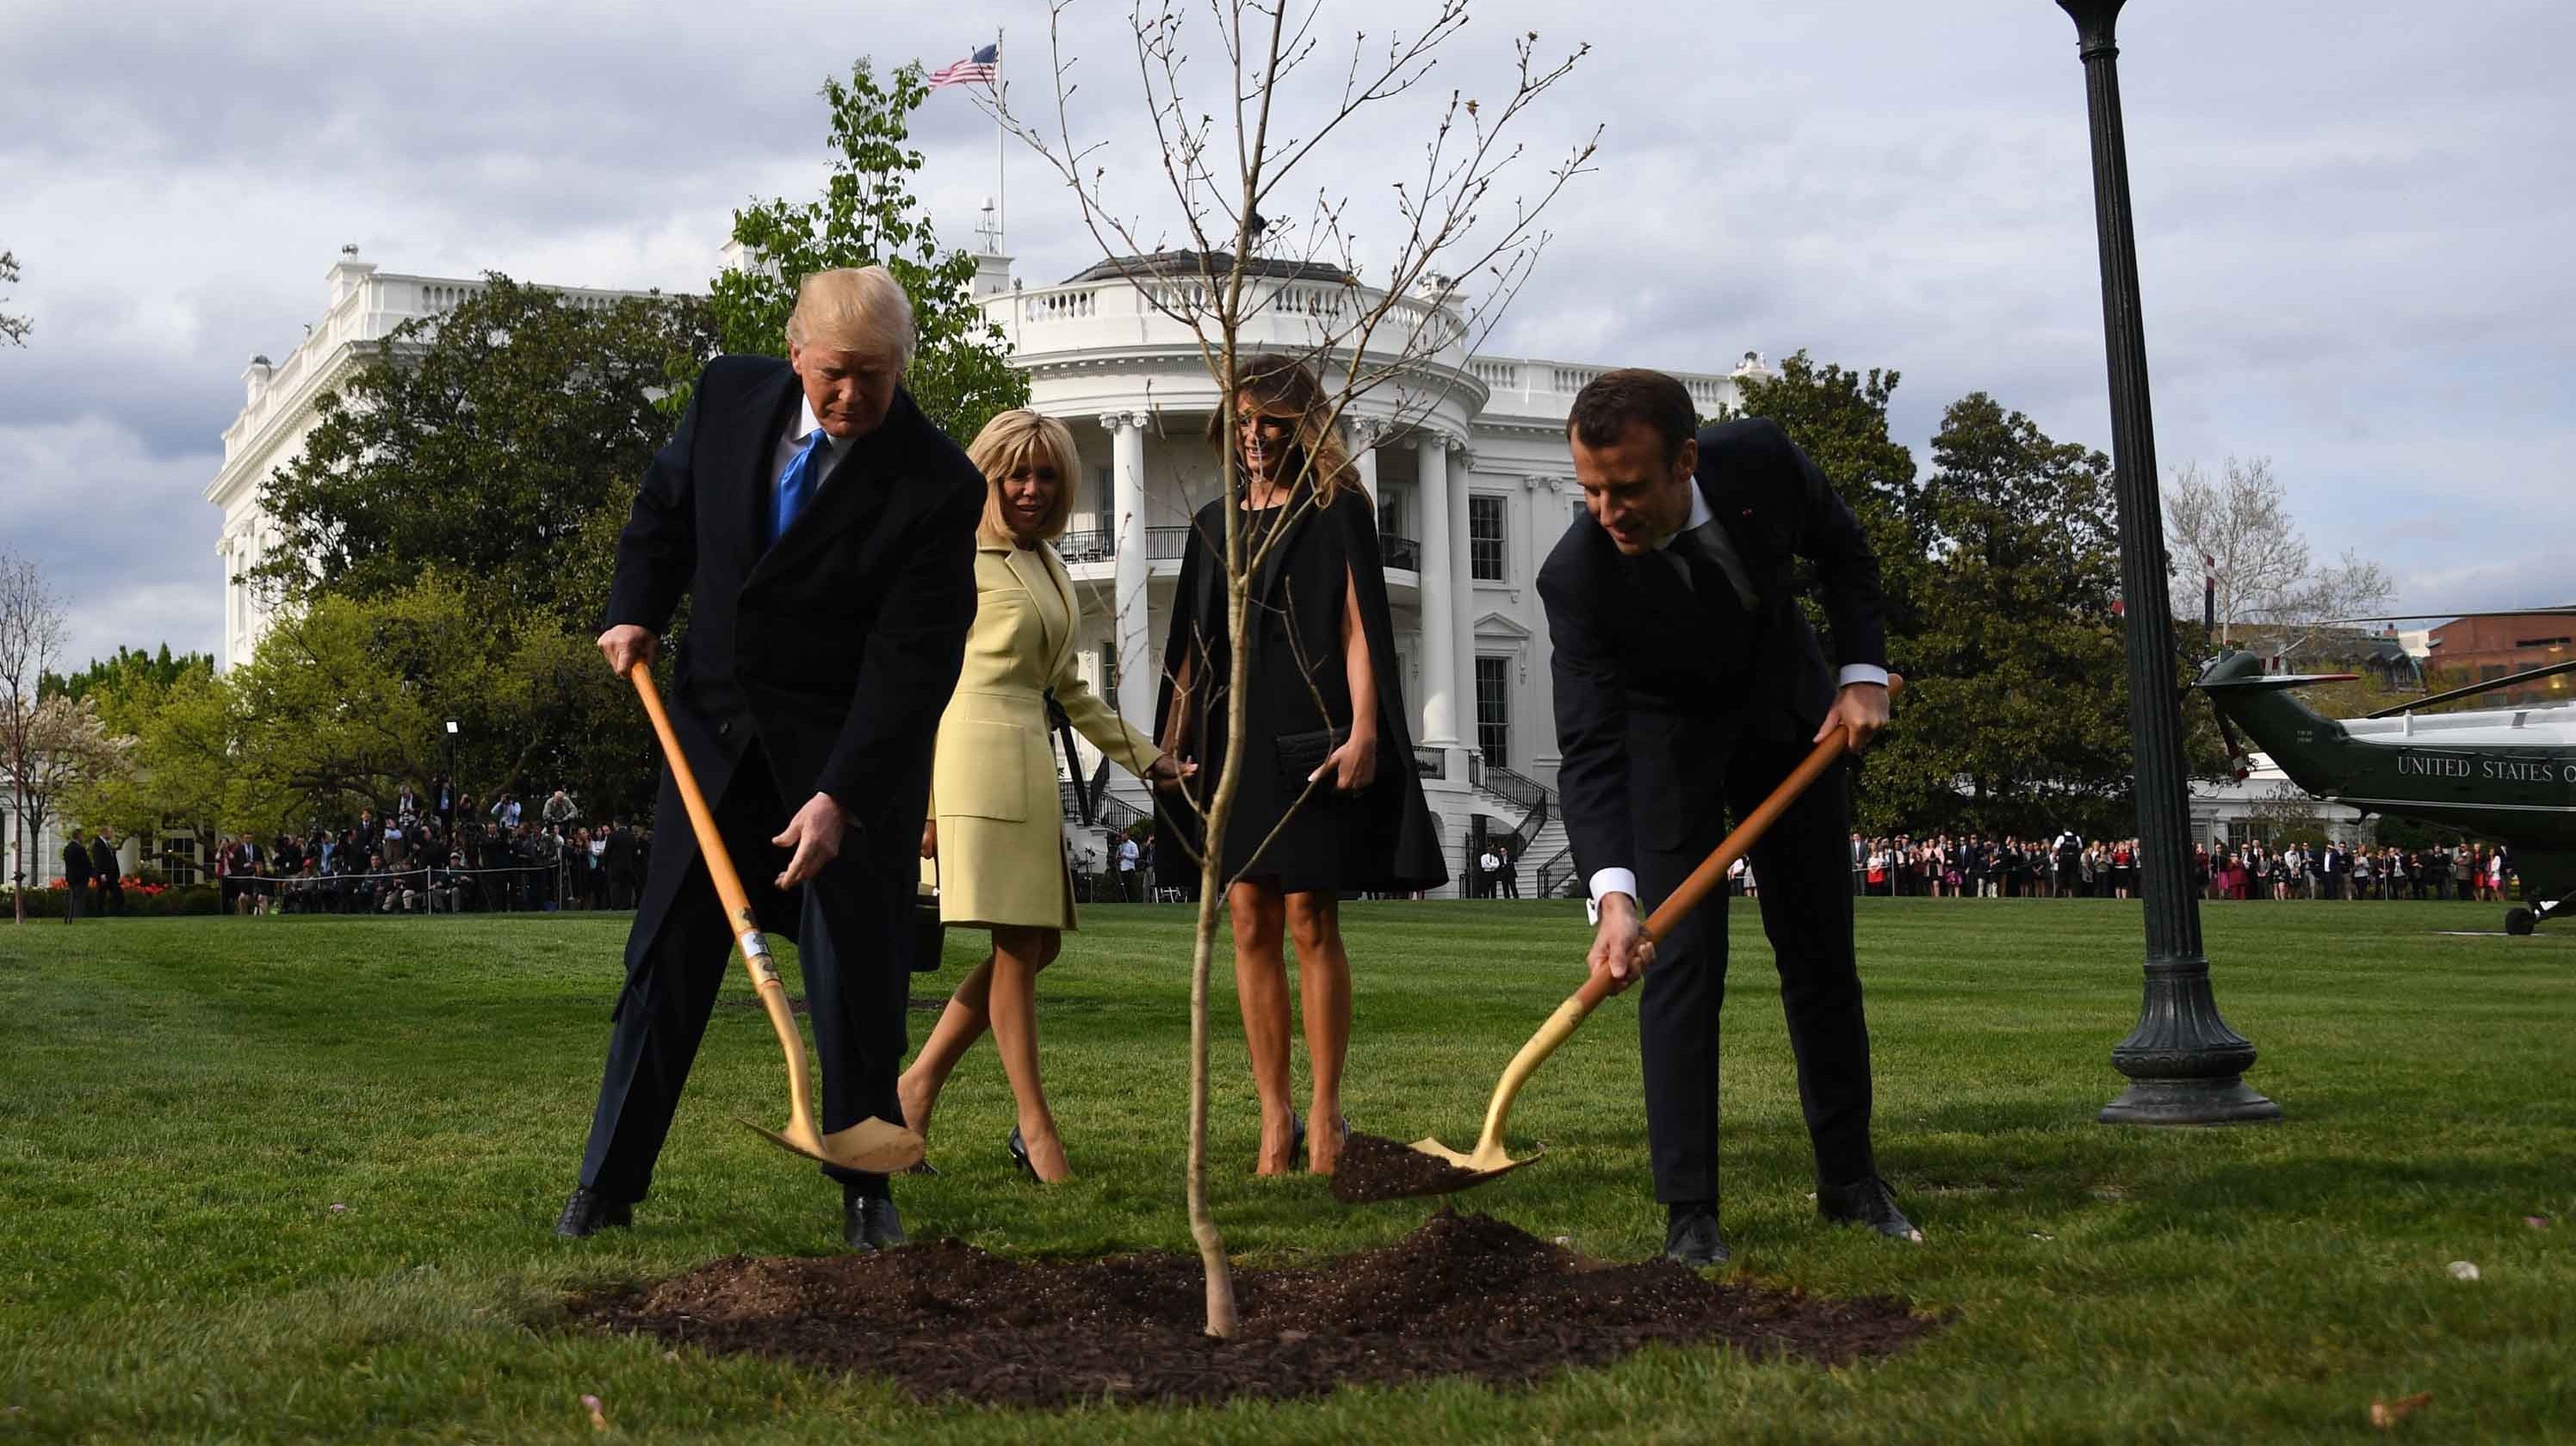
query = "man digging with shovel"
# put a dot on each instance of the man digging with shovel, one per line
(824, 532)
(1694, 538)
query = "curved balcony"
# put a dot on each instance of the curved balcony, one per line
(1138, 324)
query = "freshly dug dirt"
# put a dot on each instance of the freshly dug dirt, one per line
(1464, 1295)
(1374, 1167)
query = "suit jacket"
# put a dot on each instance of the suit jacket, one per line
(835, 647)
(102, 861)
(1001, 815)
(1655, 683)
(75, 864)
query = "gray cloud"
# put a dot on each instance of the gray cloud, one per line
(2349, 254)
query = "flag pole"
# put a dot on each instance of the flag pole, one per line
(1001, 170)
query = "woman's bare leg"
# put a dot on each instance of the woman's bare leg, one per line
(1018, 956)
(961, 1024)
(1324, 989)
(1261, 989)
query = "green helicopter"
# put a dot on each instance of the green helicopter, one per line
(2507, 774)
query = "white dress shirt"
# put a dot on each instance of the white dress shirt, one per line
(1618, 880)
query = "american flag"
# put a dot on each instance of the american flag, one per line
(980, 66)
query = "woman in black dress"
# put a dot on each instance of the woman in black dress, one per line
(1327, 801)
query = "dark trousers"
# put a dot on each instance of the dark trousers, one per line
(1511, 883)
(75, 900)
(855, 995)
(1804, 863)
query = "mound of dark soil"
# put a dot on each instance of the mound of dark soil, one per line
(1373, 1167)
(1463, 1295)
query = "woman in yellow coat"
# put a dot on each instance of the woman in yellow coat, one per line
(996, 825)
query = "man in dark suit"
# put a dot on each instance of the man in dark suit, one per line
(1688, 684)
(824, 530)
(76, 872)
(618, 861)
(110, 875)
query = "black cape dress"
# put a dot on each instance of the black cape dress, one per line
(1381, 839)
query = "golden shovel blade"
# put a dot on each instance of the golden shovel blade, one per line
(872, 1145)
(1488, 1161)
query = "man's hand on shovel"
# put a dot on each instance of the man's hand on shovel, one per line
(1620, 949)
(1860, 707)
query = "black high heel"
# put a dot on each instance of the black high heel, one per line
(1019, 1149)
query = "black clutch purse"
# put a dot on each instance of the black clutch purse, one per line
(929, 936)
(1300, 754)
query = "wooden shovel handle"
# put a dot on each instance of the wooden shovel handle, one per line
(1579, 1006)
(702, 819)
(1740, 840)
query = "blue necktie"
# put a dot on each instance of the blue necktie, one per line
(797, 484)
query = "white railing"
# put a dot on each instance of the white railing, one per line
(1302, 313)
(1533, 386)
(1063, 304)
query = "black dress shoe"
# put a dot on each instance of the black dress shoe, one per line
(588, 1212)
(1867, 1201)
(1691, 1237)
(1019, 1149)
(869, 1221)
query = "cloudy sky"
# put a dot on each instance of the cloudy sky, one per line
(2351, 243)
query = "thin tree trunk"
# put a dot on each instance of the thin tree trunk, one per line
(1221, 1318)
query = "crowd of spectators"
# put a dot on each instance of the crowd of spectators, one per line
(1974, 866)
(2068, 866)
(2334, 871)
(438, 850)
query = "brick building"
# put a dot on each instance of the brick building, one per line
(2477, 649)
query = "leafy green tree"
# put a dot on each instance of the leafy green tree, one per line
(2016, 718)
(500, 442)
(867, 215)
(130, 668)
(346, 700)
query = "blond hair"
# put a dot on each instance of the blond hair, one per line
(1278, 386)
(859, 308)
(1017, 439)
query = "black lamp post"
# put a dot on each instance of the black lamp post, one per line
(2185, 1066)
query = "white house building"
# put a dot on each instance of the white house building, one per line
(277, 413)
(1464, 454)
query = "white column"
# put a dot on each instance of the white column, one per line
(1137, 670)
(1462, 650)
(1439, 624)
(1364, 456)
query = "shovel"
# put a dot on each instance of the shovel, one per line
(1489, 1160)
(871, 1145)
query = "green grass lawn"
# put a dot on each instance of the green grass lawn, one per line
(291, 1179)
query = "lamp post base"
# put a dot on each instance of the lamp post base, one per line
(2185, 1066)
(2225, 1101)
